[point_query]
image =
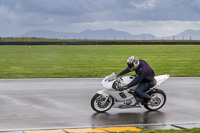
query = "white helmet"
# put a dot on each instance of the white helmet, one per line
(133, 63)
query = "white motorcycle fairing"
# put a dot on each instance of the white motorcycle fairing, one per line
(124, 98)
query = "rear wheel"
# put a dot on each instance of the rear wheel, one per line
(158, 99)
(101, 104)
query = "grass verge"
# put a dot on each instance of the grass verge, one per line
(194, 130)
(67, 61)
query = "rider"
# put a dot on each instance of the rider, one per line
(144, 77)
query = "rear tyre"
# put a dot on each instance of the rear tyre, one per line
(158, 99)
(98, 103)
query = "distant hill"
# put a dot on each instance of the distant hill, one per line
(47, 34)
(107, 34)
(193, 34)
(186, 35)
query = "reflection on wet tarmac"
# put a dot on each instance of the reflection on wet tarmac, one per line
(127, 118)
(57, 103)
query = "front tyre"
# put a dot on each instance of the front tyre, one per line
(101, 104)
(158, 99)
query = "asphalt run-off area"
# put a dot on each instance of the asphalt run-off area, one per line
(28, 105)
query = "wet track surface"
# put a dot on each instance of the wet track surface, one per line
(27, 104)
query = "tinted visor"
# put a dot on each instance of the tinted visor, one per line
(130, 66)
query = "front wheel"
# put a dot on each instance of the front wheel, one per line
(158, 99)
(101, 104)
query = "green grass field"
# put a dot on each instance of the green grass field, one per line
(67, 61)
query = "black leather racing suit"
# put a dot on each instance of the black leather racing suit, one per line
(144, 77)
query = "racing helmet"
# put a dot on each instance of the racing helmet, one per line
(133, 63)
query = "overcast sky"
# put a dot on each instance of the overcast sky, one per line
(159, 17)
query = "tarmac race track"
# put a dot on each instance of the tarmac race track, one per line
(30, 104)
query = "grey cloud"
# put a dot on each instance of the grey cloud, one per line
(34, 14)
(100, 10)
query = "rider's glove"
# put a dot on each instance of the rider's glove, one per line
(121, 88)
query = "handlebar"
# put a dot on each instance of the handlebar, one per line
(119, 79)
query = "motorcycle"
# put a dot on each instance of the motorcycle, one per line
(110, 96)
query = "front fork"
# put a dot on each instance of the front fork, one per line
(105, 100)
(105, 94)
